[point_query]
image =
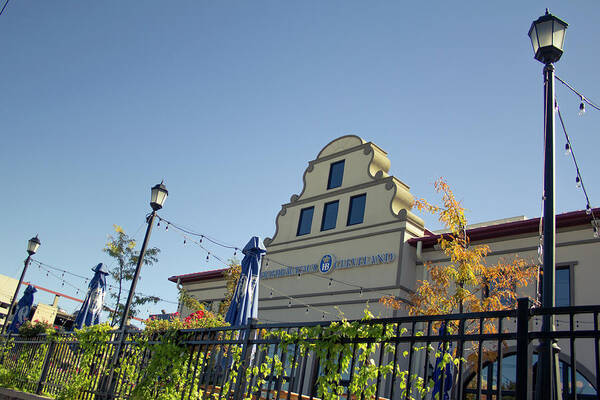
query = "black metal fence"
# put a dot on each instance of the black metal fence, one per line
(490, 355)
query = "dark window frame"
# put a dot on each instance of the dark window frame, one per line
(562, 266)
(350, 209)
(300, 221)
(331, 168)
(336, 215)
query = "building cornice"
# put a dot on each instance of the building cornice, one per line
(527, 226)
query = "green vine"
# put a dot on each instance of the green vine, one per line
(161, 364)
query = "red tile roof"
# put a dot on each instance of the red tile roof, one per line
(199, 276)
(532, 225)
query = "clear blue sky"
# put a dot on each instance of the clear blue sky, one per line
(227, 101)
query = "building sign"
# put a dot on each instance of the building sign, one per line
(328, 263)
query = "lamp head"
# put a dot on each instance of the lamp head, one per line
(547, 35)
(158, 196)
(32, 245)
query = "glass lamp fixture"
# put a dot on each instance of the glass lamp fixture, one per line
(547, 36)
(158, 196)
(32, 245)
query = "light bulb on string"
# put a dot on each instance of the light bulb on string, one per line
(46, 273)
(266, 262)
(290, 304)
(235, 252)
(158, 224)
(298, 276)
(271, 294)
(201, 237)
(330, 282)
(588, 209)
(306, 310)
(567, 149)
(207, 256)
(582, 107)
(323, 317)
(167, 227)
(63, 283)
(361, 292)
(577, 182)
(596, 233)
(184, 241)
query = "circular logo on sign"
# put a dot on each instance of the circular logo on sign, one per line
(326, 264)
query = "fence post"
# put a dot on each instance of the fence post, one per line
(45, 367)
(244, 359)
(524, 350)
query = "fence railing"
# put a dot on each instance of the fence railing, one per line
(488, 355)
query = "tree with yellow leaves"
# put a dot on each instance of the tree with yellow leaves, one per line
(122, 248)
(465, 283)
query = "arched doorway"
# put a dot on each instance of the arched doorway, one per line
(583, 387)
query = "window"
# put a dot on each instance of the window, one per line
(489, 385)
(305, 222)
(336, 173)
(562, 286)
(562, 282)
(330, 212)
(356, 214)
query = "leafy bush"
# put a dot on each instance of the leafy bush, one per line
(35, 328)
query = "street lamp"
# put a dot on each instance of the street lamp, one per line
(158, 195)
(32, 246)
(547, 36)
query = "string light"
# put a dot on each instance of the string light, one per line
(47, 268)
(567, 149)
(306, 312)
(158, 224)
(298, 276)
(167, 227)
(207, 256)
(361, 292)
(578, 179)
(582, 107)
(581, 96)
(184, 242)
(330, 281)
(201, 237)
(271, 294)
(290, 304)
(323, 317)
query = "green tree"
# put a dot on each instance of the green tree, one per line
(232, 276)
(466, 283)
(122, 249)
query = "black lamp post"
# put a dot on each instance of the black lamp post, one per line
(32, 246)
(158, 196)
(547, 36)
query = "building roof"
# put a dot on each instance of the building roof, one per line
(532, 225)
(199, 276)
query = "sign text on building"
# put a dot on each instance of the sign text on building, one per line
(328, 263)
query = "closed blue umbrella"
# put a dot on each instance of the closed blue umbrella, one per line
(443, 376)
(244, 304)
(22, 310)
(89, 314)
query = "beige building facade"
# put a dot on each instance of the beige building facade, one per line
(350, 237)
(7, 291)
